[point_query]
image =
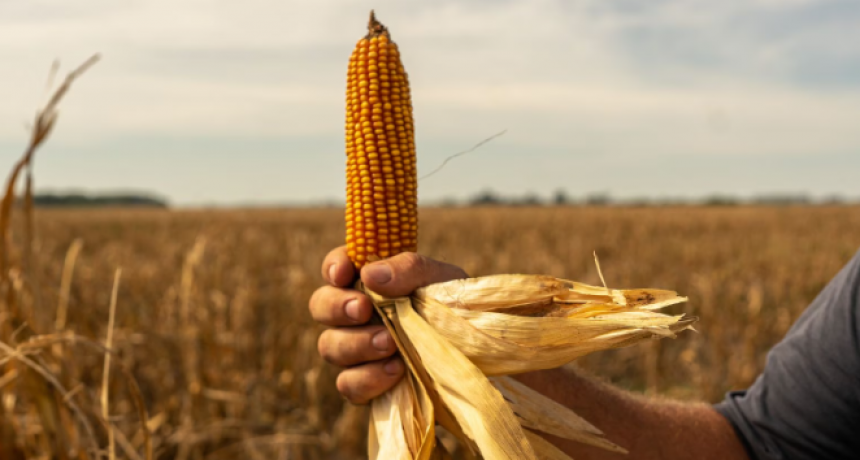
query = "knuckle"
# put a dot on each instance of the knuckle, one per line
(350, 390)
(322, 303)
(343, 386)
(314, 300)
(351, 347)
(324, 346)
(363, 389)
(413, 262)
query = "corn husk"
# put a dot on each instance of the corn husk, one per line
(460, 339)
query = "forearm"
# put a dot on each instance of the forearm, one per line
(648, 428)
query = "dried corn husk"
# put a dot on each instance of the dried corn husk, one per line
(460, 338)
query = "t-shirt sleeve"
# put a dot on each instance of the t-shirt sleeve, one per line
(806, 403)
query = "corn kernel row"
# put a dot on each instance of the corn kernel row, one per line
(381, 208)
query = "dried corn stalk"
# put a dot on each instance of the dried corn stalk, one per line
(460, 338)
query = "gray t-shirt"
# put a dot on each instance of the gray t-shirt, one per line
(806, 404)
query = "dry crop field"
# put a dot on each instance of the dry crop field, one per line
(211, 320)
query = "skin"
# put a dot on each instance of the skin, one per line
(649, 428)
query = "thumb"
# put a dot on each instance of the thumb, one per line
(402, 274)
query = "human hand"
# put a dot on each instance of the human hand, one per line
(367, 351)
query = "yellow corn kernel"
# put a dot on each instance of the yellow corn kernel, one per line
(381, 179)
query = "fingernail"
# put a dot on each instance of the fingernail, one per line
(332, 271)
(352, 310)
(378, 273)
(393, 367)
(380, 341)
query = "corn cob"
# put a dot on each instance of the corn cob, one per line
(461, 339)
(381, 207)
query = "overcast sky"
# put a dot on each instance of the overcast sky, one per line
(229, 102)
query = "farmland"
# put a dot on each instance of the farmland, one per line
(211, 319)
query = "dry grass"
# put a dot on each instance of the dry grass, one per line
(211, 317)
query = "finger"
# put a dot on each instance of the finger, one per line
(362, 383)
(406, 272)
(348, 346)
(334, 306)
(337, 269)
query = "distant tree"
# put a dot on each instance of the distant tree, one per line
(640, 202)
(598, 199)
(834, 200)
(80, 200)
(777, 199)
(560, 197)
(721, 200)
(449, 202)
(530, 199)
(485, 198)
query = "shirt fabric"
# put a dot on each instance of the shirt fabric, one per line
(806, 403)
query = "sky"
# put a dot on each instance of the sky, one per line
(215, 102)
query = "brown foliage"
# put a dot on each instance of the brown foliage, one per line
(212, 324)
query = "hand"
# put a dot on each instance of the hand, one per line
(367, 352)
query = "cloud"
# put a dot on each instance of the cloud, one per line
(807, 42)
(627, 80)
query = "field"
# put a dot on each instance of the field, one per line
(211, 319)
